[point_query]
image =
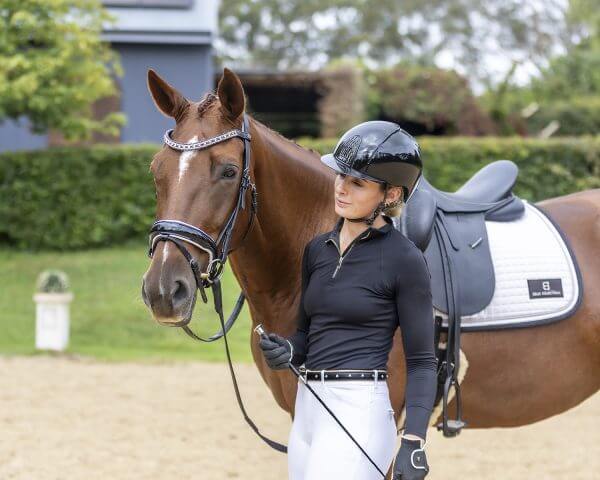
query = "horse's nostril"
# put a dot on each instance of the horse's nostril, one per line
(180, 293)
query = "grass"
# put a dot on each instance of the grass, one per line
(109, 320)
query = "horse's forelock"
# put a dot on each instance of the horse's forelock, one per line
(206, 103)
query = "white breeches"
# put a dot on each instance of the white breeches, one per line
(319, 449)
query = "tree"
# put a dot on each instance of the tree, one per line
(53, 66)
(583, 24)
(309, 33)
(566, 90)
(577, 72)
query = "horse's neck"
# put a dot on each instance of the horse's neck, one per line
(294, 205)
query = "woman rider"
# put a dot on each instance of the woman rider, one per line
(360, 282)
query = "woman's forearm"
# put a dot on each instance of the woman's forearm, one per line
(421, 386)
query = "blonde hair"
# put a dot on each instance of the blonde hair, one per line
(394, 209)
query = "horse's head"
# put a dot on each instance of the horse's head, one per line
(197, 189)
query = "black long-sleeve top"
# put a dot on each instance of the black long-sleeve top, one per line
(352, 302)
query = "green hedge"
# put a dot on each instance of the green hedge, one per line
(547, 168)
(68, 198)
(65, 198)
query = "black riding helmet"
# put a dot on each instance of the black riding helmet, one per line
(379, 151)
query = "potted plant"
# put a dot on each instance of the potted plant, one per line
(52, 310)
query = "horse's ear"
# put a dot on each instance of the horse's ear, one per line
(167, 99)
(231, 94)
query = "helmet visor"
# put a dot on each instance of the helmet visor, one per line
(331, 162)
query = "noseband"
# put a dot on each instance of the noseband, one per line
(181, 233)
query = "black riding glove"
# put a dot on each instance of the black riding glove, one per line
(411, 462)
(277, 351)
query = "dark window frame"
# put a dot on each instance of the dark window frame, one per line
(173, 4)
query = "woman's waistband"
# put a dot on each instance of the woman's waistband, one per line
(343, 374)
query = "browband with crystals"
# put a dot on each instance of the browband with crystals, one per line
(205, 143)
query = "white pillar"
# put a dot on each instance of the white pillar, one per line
(52, 320)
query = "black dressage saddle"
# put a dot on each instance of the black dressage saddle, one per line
(450, 229)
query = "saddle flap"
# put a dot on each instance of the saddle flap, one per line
(471, 263)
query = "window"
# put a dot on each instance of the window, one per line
(149, 3)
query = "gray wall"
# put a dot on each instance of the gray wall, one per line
(189, 68)
(15, 135)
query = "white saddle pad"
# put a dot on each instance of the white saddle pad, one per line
(537, 277)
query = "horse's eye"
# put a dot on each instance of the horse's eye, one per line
(229, 173)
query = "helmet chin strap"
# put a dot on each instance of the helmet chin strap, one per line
(371, 218)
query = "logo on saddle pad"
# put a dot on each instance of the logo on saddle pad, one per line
(544, 288)
(346, 151)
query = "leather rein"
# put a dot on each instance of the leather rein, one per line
(181, 233)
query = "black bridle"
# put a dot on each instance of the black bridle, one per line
(181, 233)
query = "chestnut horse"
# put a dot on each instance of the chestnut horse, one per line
(515, 376)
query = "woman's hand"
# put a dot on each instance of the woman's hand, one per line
(277, 351)
(411, 462)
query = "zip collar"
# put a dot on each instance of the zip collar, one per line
(370, 232)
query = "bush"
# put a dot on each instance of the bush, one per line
(427, 100)
(577, 116)
(70, 198)
(52, 281)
